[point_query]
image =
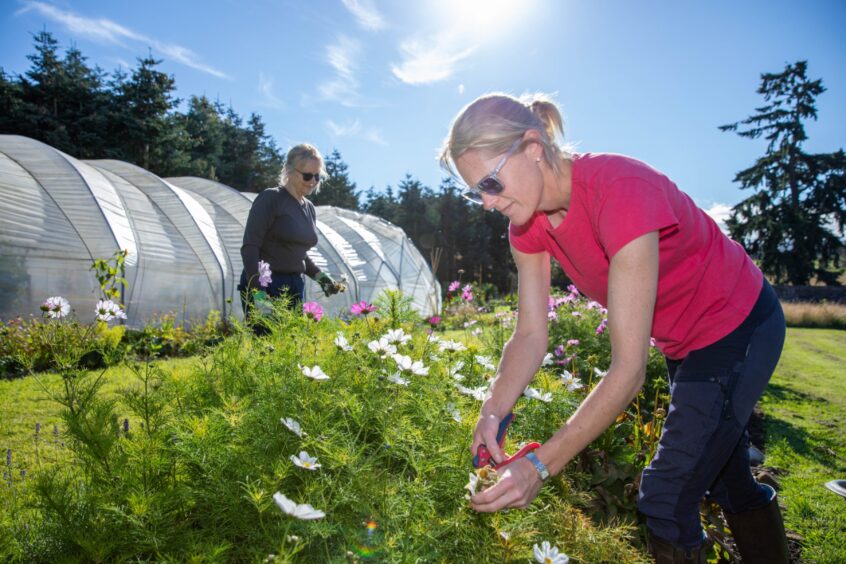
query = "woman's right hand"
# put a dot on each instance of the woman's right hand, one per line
(485, 434)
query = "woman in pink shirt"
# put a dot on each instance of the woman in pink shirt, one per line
(631, 240)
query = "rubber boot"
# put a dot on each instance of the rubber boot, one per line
(759, 534)
(666, 553)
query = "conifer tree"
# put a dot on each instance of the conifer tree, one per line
(790, 225)
(337, 189)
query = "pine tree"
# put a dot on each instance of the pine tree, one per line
(790, 224)
(337, 190)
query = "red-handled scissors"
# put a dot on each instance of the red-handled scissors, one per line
(483, 455)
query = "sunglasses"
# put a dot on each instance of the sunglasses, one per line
(307, 176)
(490, 184)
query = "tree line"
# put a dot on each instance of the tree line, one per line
(792, 225)
(90, 114)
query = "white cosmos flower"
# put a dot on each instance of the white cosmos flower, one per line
(458, 377)
(456, 367)
(532, 393)
(571, 382)
(485, 362)
(303, 460)
(56, 307)
(547, 360)
(293, 426)
(405, 364)
(548, 554)
(397, 336)
(600, 373)
(298, 510)
(342, 343)
(382, 347)
(397, 379)
(314, 372)
(453, 346)
(479, 394)
(472, 484)
(453, 411)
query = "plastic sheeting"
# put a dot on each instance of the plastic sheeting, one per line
(58, 214)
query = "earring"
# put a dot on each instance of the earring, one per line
(537, 160)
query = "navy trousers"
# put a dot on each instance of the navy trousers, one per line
(280, 283)
(703, 450)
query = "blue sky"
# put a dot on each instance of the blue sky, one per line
(381, 80)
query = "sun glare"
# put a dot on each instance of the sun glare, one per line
(481, 19)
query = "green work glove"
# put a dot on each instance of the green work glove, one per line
(327, 284)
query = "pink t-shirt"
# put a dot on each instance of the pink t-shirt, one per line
(707, 284)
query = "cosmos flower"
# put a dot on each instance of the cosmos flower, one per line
(600, 373)
(397, 379)
(434, 321)
(548, 554)
(472, 484)
(405, 364)
(293, 425)
(532, 393)
(382, 347)
(479, 394)
(313, 310)
(453, 286)
(397, 336)
(453, 411)
(452, 346)
(106, 310)
(299, 510)
(485, 362)
(304, 460)
(547, 359)
(314, 372)
(362, 308)
(341, 342)
(264, 278)
(56, 307)
(571, 382)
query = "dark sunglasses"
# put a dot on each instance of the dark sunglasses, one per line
(307, 176)
(490, 184)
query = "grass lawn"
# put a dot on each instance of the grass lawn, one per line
(805, 419)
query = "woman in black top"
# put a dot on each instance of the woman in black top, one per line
(281, 228)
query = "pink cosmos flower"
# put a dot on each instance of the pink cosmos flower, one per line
(313, 310)
(362, 308)
(453, 286)
(434, 321)
(56, 307)
(264, 274)
(601, 328)
(573, 343)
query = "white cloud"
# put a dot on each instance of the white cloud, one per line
(366, 13)
(719, 213)
(425, 61)
(347, 130)
(269, 99)
(375, 136)
(106, 31)
(354, 129)
(461, 89)
(343, 57)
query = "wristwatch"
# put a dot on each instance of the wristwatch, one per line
(541, 468)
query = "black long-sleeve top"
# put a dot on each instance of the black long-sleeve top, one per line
(279, 231)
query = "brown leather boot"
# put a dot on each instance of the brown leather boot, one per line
(665, 553)
(759, 534)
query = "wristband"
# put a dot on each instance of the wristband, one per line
(541, 468)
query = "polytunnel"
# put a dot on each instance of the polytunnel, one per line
(183, 236)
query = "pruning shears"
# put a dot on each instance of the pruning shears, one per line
(483, 455)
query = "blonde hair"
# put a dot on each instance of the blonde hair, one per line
(298, 154)
(493, 122)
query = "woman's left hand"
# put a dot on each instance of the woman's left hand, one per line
(518, 485)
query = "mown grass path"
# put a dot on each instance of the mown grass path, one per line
(805, 421)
